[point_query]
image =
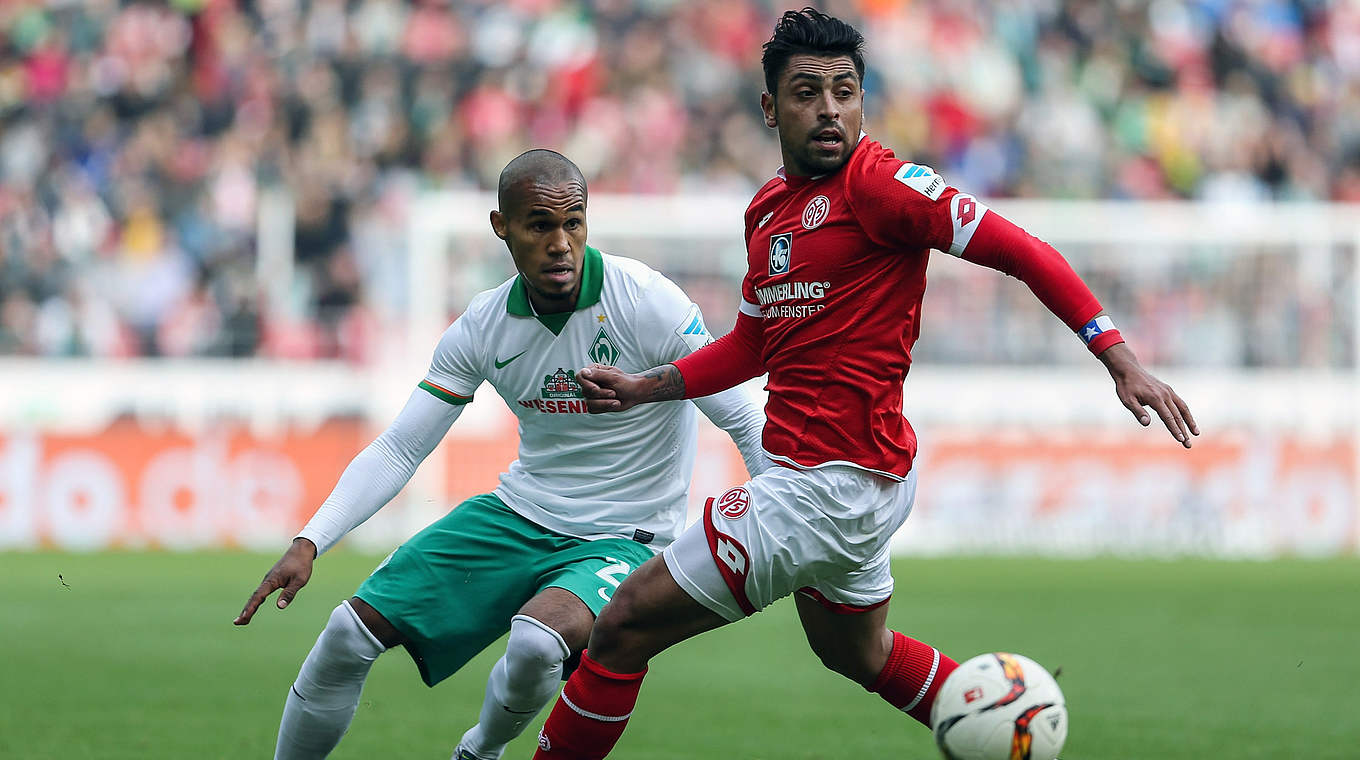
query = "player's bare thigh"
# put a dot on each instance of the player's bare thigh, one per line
(856, 645)
(562, 611)
(648, 613)
(376, 624)
(556, 608)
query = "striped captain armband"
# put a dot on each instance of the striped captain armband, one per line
(1099, 334)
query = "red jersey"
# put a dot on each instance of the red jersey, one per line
(832, 303)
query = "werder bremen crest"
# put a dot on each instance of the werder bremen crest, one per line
(603, 350)
(561, 384)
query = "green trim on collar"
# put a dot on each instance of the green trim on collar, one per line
(555, 322)
(518, 302)
(592, 279)
(592, 282)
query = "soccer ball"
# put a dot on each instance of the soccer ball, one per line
(999, 706)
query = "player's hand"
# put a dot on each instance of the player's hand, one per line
(608, 389)
(1137, 389)
(290, 573)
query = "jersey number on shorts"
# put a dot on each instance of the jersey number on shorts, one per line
(613, 575)
(731, 556)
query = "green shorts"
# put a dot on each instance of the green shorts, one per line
(453, 587)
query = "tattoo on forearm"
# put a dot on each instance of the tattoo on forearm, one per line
(667, 383)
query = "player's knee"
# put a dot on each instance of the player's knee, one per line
(344, 649)
(611, 631)
(533, 665)
(533, 648)
(347, 636)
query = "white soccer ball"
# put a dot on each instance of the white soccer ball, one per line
(999, 706)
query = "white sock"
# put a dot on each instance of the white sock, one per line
(520, 685)
(322, 700)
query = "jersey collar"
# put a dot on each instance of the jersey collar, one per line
(592, 281)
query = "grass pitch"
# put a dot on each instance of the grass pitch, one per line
(134, 656)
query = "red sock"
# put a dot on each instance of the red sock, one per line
(591, 713)
(912, 677)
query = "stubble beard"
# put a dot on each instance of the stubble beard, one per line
(806, 161)
(814, 165)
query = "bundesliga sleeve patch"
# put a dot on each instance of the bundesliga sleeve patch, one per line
(922, 179)
(692, 330)
(965, 213)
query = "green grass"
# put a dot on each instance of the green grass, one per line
(1165, 660)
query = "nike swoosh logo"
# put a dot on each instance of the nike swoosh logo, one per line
(501, 364)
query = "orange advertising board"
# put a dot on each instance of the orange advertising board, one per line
(133, 486)
(1081, 492)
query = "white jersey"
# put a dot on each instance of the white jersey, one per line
(591, 476)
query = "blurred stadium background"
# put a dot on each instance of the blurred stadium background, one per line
(232, 230)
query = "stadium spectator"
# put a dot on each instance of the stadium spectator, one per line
(138, 137)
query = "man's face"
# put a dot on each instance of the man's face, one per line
(818, 108)
(544, 227)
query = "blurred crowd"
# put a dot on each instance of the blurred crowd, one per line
(157, 158)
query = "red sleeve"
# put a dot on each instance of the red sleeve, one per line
(1001, 245)
(908, 206)
(899, 204)
(730, 360)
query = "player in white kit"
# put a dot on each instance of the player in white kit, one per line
(590, 497)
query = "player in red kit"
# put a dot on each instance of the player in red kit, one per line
(837, 246)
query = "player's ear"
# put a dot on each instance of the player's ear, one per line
(498, 224)
(767, 105)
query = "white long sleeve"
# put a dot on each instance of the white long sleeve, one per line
(733, 411)
(382, 469)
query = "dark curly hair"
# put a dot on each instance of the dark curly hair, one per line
(809, 32)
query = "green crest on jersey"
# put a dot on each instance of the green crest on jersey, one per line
(603, 350)
(561, 384)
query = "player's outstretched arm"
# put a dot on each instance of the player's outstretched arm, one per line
(1137, 388)
(290, 573)
(995, 242)
(610, 389)
(372, 479)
